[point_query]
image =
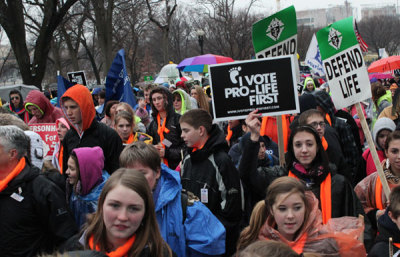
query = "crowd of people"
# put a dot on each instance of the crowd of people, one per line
(162, 179)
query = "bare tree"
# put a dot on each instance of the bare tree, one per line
(163, 22)
(103, 12)
(182, 38)
(130, 30)
(378, 33)
(228, 30)
(5, 53)
(304, 36)
(48, 15)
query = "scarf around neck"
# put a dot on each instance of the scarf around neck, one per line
(121, 251)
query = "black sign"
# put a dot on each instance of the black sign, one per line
(77, 77)
(268, 85)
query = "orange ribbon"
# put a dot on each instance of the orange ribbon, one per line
(161, 130)
(328, 119)
(324, 143)
(378, 193)
(229, 133)
(60, 158)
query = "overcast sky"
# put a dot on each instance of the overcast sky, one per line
(267, 5)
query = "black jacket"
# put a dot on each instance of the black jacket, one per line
(211, 168)
(387, 228)
(256, 176)
(98, 134)
(172, 153)
(37, 223)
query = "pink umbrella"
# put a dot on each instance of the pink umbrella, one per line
(204, 59)
(380, 75)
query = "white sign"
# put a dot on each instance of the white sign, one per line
(348, 77)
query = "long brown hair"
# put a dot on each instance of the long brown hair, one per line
(147, 234)
(203, 101)
(263, 208)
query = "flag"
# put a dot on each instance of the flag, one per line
(62, 85)
(313, 57)
(361, 42)
(118, 85)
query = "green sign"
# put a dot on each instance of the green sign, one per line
(148, 78)
(276, 35)
(343, 63)
(336, 38)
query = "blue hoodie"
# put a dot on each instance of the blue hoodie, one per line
(202, 234)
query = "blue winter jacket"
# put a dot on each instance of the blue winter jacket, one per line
(81, 205)
(202, 234)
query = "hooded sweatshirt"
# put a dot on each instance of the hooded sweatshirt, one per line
(40, 101)
(92, 133)
(92, 177)
(319, 238)
(185, 98)
(306, 81)
(381, 124)
(20, 109)
(57, 154)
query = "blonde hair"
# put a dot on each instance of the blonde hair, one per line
(202, 101)
(262, 209)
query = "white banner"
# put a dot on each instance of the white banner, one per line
(313, 57)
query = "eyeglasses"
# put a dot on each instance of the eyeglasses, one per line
(177, 100)
(14, 98)
(316, 124)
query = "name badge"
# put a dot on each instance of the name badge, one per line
(17, 197)
(204, 195)
(166, 142)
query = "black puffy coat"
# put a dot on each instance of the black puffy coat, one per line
(39, 222)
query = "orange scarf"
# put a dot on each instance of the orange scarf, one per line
(161, 130)
(324, 143)
(130, 140)
(20, 166)
(325, 197)
(121, 251)
(328, 119)
(229, 133)
(60, 158)
(378, 193)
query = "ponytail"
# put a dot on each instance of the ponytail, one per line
(251, 232)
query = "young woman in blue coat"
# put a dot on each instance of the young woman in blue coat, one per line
(190, 229)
